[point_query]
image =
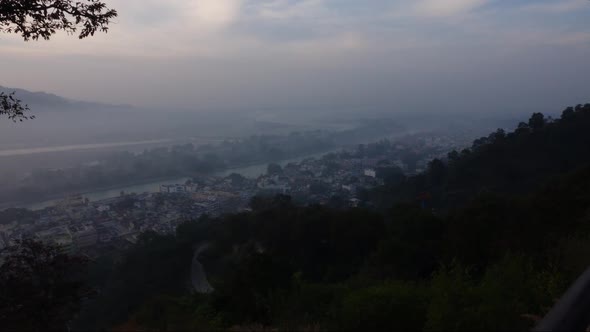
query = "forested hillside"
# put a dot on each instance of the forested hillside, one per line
(487, 239)
(507, 163)
(149, 209)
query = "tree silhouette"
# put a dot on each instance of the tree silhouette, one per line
(13, 107)
(537, 121)
(42, 287)
(34, 19)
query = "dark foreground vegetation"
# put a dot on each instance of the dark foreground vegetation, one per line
(486, 240)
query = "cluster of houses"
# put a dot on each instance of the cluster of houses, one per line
(76, 224)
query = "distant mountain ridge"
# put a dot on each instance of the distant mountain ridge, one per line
(48, 101)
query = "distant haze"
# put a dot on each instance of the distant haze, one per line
(330, 55)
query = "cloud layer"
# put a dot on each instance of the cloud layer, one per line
(263, 51)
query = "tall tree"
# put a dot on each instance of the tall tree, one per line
(34, 19)
(537, 121)
(41, 287)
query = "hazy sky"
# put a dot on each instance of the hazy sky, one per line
(477, 55)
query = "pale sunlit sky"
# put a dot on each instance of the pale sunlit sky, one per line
(476, 55)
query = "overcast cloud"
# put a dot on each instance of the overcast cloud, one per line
(477, 55)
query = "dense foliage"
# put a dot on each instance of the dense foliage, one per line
(488, 266)
(41, 287)
(493, 254)
(507, 163)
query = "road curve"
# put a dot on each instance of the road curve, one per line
(198, 277)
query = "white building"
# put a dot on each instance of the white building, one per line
(274, 184)
(173, 188)
(370, 173)
(103, 208)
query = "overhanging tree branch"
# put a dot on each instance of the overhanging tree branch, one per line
(13, 108)
(35, 19)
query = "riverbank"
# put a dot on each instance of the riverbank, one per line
(153, 185)
(89, 192)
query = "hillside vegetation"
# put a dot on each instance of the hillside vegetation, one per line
(501, 232)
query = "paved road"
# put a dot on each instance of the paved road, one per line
(198, 277)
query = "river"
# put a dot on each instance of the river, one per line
(252, 171)
(77, 147)
(198, 276)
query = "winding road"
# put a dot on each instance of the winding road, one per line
(198, 277)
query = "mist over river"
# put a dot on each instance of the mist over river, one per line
(251, 171)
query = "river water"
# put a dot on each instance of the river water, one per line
(252, 171)
(77, 147)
